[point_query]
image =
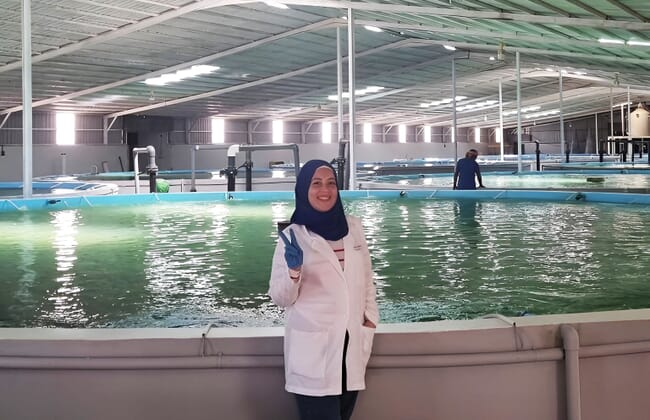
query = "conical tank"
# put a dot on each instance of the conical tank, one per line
(640, 122)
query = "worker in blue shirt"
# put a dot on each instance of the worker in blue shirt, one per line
(466, 169)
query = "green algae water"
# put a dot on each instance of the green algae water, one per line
(192, 264)
(535, 180)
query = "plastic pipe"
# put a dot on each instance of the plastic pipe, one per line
(292, 146)
(377, 361)
(571, 344)
(151, 168)
(195, 148)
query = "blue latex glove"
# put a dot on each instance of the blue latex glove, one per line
(292, 251)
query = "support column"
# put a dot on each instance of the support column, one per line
(27, 98)
(351, 109)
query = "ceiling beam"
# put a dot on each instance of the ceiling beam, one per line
(124, 30)
(629, 10)
(72, 95)
(466, 31)
(589, 9)
(399, 44)
(472, 14)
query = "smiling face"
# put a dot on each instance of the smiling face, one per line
(323, 190)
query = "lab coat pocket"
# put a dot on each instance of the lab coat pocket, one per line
(307, 353)
(368, 335)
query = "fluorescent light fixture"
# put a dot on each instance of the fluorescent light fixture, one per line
(326, 131)
(276, 4)
(621, 104)
(523, 110)
(445, 102)
(611, 41)
(477, 105)
(373, 28)
(193, 71)
(358, 92)
(639, 43)
(492, 58)
(543, 114)
(449, 47)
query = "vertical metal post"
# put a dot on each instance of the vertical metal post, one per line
(597, 149)
(351, 109)
(27, 98)
(453, 108)
(501, 116)
(340, 166)
(611, 118)
(562, 143)
(518, 71)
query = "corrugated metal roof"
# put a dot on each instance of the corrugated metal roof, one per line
(93, 57)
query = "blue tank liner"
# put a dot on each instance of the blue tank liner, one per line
(54, 203)
(47, 187)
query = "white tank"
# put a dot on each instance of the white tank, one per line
(640, 122)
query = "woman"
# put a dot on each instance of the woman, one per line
(322, 275)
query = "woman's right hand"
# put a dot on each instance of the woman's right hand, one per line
(292, 251)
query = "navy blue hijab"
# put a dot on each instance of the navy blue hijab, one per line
(331, 224)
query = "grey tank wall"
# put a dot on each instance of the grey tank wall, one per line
(489, 369)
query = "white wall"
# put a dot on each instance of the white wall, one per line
(47, 160)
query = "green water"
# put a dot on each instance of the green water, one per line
(179, 265)
(533, 180)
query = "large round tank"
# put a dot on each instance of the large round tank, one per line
(640, 122)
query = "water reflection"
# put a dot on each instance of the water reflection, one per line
(67, 307)
(183, 259)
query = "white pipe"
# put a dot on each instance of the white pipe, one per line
(562, 145)
(501, 136)
(378, 361)
(351, 108)
(596, 134)
(339, 86)
(136, 167)
(27, 98)
(233, 150)
(518, 71)
(610, 146)
(453, 108)
(264, 361)
(571, 344)
(136, 170)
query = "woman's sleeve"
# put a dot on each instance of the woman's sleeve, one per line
(372, 312)
(282, 289)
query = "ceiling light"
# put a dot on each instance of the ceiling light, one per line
(639, 43)
(611, 41)
(492, 58)
(373, 28)
(543, 114)
(357, 92)
(276, 4)
(449, 47)
(193, 71)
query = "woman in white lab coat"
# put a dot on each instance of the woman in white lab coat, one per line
(322, 275)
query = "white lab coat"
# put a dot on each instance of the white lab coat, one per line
(326, 302)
